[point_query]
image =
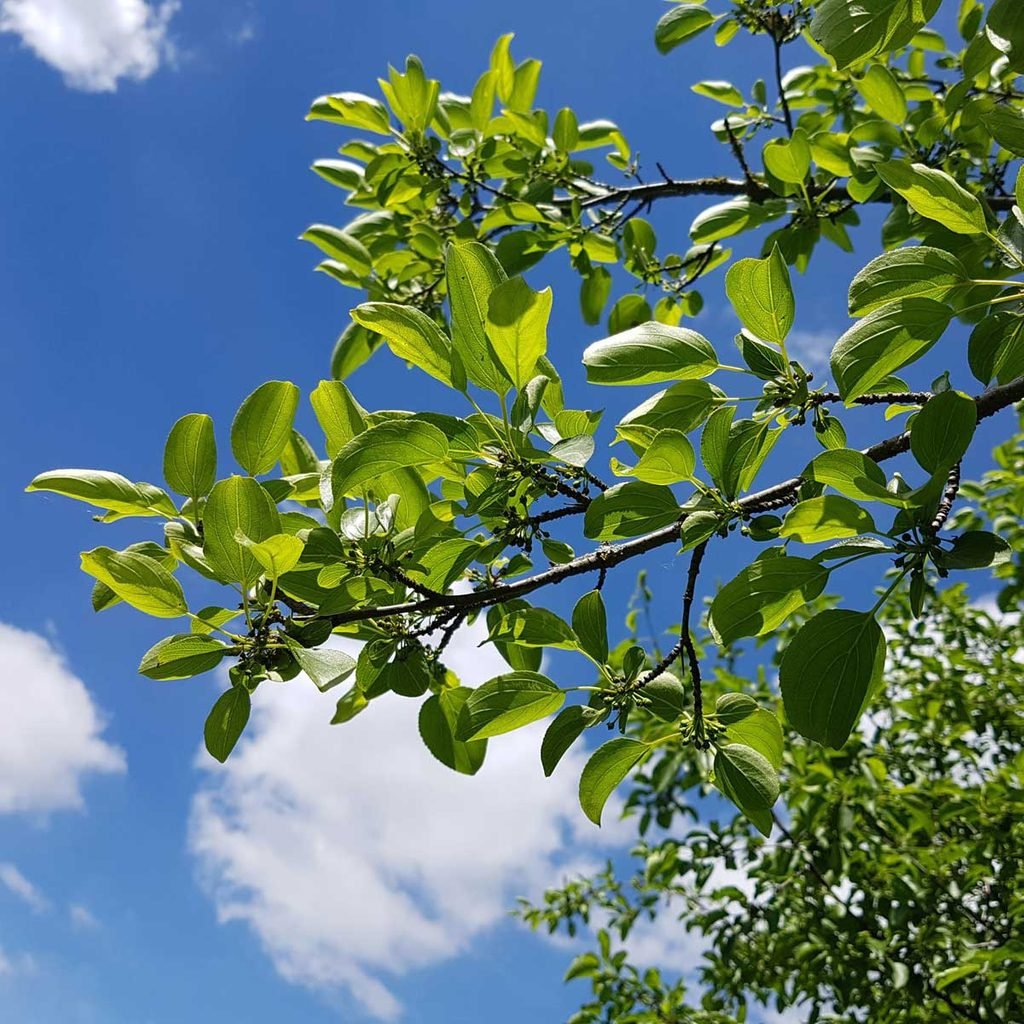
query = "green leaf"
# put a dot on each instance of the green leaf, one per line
(508, 702)
(383, 449)
(975, 549)
(517, 323)
(226, 721)
(849, 32)
(278, 554)
(340, 246)
(934, 194)
(650, 353)
(138, 580)
(886, 340)
(206, 620)
(827, 517)
(942, 431)
(748, 444)
(669, 459)
(412, 336)
(533, 627)
(681, 407)
(181, 656)
(349, 705)
(747, 778)
(722, 92)
(789, 160)
(764, 595)
(919, 271)
(237, 504)
(761, 294)
(666, 697)
(263, 426)
(352, 109)
(594, 292)
(340, 416)
(762, 731)
(682, 22)
(190, 456)
(566, 132)
(607, 767)
(106, 490)
(851, 473)
(562, 733)
(472, 274)
(438, 719)
(884, 95)
(326, 666)
(996, 348)
(629, 510)
(828, 671)
(731, 708)
(590, 624)
(1005, 29)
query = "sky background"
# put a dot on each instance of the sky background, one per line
(153, 182)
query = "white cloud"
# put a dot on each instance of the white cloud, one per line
(17, 964)
(812, 347)
(93, 43)
(82, 918)
(50, 729)
(21, 887)
(355, 857)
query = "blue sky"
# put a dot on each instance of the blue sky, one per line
(154, 182)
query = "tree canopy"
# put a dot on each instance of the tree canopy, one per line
(901, 847)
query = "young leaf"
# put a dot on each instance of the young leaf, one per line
(326, 666)
(566, 727)
(472, 273)
(138, 580)
(826, 517)
(886, 340)
(517, 324)
(508, 702)
(934, 194)
(190, 456)
(942, 431)
(226, 721)
(182, 656)
(352, 109)
(666, 697)
(883, 94)
(412, 336)
(438, 718)
(828, 671)
(764, 595)
(237, 504)
(383, 449)
(919, 271)
(342, 247)
(650, 353)
(761, 294)
(590, 624)
(607, 767)
(263, 426)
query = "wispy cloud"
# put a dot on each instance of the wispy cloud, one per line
(94, 43)
(355, 857)
(21, 887)
(50, 729)
(82, 918)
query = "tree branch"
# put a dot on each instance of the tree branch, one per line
(723, 186)
(606, 557)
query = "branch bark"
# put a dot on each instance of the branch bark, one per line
(608, 556)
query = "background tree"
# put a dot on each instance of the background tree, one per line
(415, 522)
